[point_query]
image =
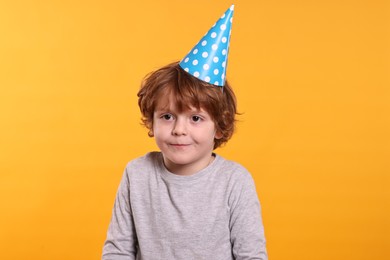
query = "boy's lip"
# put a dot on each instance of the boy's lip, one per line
(180, 145)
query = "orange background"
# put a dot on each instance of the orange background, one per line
(312, 81)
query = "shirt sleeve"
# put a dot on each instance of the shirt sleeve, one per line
(246, 227)
(121, 241)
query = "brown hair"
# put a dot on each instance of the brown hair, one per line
(188, 91)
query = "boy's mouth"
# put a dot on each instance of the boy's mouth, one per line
(180, 145)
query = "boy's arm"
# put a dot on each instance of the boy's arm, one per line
(246, 227)
(121, 241)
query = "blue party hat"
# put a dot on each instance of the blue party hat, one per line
(207, 61)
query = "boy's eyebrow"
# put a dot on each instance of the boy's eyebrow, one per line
(200, 109)
(162, 108)
(159, 111)
(191, 110)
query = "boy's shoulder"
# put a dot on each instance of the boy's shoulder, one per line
(143, 163)
(145, 160)
(222, 169)
(234, 166)
(233, 170)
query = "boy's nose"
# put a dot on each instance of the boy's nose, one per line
(179, 128)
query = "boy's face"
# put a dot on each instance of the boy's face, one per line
(186, 139)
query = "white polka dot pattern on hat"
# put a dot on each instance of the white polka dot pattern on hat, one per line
(208, 59)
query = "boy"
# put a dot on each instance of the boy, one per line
(186, 202)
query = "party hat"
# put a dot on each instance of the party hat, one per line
(207, 61)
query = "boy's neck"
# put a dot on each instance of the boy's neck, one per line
(188, 169)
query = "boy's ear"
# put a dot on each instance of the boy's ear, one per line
(218, 135)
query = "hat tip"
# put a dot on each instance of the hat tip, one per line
(232, 7)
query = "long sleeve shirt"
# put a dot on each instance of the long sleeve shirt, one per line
(212, 214)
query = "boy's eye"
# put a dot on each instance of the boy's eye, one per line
(167, 117)
(196, 118)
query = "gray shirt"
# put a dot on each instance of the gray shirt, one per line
(212, 214)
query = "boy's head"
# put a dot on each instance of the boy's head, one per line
(186, 91)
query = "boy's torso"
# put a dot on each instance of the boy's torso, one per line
(178, 217)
